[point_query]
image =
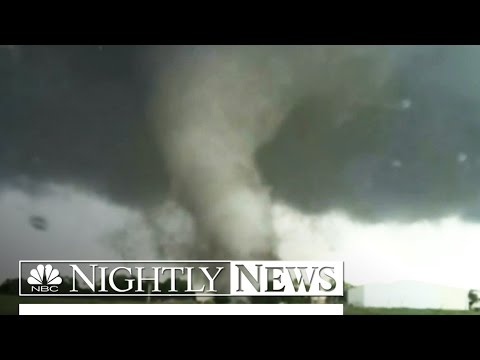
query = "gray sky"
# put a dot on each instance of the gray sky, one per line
(76, 148)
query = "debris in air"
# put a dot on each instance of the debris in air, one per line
(462, 157)
(406, 104)
(397, 164)
(38, 223)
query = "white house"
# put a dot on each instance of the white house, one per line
(409, 294)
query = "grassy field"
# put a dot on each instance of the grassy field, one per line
(373, 311)
(9, 306)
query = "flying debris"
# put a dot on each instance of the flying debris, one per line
(38, 223)
(406, 104)
(462, 157)
(397, 164)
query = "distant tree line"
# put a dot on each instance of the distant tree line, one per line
(9, 287)
(473, 299)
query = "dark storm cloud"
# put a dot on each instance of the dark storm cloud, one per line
(422, 161)
(76, 114)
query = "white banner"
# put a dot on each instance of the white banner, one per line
(180, 309)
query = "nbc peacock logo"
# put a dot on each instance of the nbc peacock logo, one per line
(44, 279)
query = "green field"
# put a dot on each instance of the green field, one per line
(373, 311)
(9, 306)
